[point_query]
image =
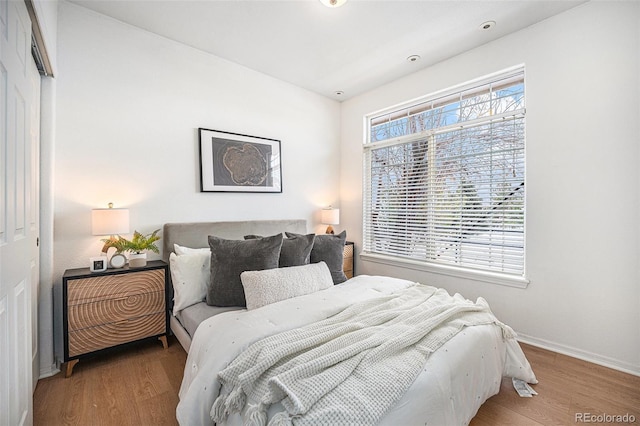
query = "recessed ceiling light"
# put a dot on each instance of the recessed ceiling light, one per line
(485, 26)
(413, 58)
(338, 93)
(333, 3)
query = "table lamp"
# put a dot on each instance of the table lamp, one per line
(110, 222)
(330, 216)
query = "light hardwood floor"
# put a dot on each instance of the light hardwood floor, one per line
(567, 387)
(139, 386)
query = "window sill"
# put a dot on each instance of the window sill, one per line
(488, 277)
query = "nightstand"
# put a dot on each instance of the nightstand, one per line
(102, 310)
(348, 262)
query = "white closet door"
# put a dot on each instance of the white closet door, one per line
(19, 260)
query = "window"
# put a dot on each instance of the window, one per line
(445, 178)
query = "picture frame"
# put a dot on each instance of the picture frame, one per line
(233, 162)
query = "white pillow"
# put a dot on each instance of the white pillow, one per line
(205, 252)
(180, 250)
(273, 285)
(190, 276)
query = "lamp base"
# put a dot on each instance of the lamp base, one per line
(108, 244)
(329, 230)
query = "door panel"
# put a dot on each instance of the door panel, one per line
(19, 259)
(21, 345)
(32, 212)
(4, 361)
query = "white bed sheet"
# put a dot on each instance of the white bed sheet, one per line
(456, 380)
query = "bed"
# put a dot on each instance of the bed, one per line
(450, 385)
(194, 235)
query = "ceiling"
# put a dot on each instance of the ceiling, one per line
(351, 49)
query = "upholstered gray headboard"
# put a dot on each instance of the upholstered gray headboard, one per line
(195, 234)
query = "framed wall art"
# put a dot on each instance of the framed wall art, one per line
(232, 162)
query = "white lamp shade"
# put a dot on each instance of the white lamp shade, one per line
(331, 216)
(109, 221)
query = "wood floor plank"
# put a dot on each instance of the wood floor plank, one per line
(159, 410)
(492, 413)
(139, 386)
(549, 407)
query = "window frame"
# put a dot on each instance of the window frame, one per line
(461, 271)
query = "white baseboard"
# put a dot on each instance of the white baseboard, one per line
(580, 354)
(45, 372)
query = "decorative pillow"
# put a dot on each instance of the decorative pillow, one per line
(190, 277)
(180, 250)
(265, 287)
(296, 249)
(329, 248)
(229, 258)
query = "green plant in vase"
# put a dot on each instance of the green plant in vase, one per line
(137, 246)
(140, 242)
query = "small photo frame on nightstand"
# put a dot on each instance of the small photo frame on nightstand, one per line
(98, 264)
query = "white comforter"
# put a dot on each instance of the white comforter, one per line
(456, 380)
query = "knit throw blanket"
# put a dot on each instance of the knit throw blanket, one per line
(350, 368)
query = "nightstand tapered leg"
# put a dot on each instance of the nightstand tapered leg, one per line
(163, 339)
(70, 365)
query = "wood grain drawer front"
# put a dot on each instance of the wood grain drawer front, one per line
(105, 336)
(347, 263)
(114, 310)
(86, 290)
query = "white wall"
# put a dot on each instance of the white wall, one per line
(583, 215)
(129, 104)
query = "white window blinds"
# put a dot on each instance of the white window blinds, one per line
(445, 179)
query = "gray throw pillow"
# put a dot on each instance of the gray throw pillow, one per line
(230, 258)
(329, 248)
(296, 249)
